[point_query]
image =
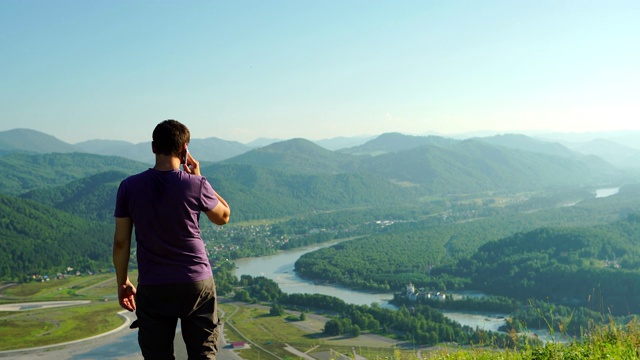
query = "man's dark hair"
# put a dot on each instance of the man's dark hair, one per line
(169, 138)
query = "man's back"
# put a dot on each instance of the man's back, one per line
(165, 208)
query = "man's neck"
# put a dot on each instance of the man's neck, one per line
(166, 163)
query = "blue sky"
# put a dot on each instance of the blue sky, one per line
(241, 70)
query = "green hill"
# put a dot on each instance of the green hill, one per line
(438, 252)
(394, 142)
(526, 143)
(572, 264)
(29, 172)
(294, 156)
(31, 141)
(92, 197)
(258, 193)
(472, 166)
(38, 239)
(442, 166)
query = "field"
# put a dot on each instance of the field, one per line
(52, 325)
(268, 336)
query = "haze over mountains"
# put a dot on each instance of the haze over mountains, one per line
(620, 148)
(406, 165)
(436, 164)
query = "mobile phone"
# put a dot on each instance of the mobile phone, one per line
(185, 156)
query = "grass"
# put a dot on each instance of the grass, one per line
(64, 289)
(269, 334)
(612, 341)
(41, 327)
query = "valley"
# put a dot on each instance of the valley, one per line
(526, 222)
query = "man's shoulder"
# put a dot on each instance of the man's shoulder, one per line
(136, 177)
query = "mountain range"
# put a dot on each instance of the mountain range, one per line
(300, 175)
(620, 149)
(512, 162)
(77, 183)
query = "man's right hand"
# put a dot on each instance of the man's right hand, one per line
(192, 166)
(126, 296)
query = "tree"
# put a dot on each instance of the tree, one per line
(333, 327)
(276, 310)
(355, 331)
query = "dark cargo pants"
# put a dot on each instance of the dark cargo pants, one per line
(158, 308)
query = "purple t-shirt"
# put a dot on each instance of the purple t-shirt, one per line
(165, 208)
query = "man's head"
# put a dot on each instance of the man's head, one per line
(170, 138)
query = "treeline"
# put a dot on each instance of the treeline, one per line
(420, 324)
(574, 321)
(496, 304)
(560, 319)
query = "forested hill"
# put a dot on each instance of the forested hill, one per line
(294, 156)
(601, 263)
(475, 166)
(435, 252)
(31, 141)
(526, 143)
(25, 172)
(263, 193)
(92, 197)
(458, 167)
(37, 239)
(394, 142)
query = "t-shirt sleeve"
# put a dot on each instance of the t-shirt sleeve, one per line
(121, 209)
(208, 197)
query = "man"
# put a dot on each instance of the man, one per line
(174, 275)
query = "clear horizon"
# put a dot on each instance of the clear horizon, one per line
(245, 70)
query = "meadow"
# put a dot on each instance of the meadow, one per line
(53, 325)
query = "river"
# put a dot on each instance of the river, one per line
(279, 268)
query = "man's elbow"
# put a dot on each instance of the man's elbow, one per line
(120, 243)
(219, 216)
(224, 219)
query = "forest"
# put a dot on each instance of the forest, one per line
(568, 260)
(420, 324)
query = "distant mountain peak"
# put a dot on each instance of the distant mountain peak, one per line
(27, 140)
(527, 143)
(395, 142)
(296, 155)
(296, 144)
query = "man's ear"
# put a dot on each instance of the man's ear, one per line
(153, 147)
